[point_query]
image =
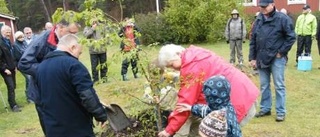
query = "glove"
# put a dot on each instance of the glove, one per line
(243, 41)
(227, 41)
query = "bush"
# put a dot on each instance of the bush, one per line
(154, 29)
(198, 20)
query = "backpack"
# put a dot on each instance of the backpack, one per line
(241, 22)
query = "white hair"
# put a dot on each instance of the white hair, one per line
(5, 28)
(68, 40)
(168, 53)
(18, 34)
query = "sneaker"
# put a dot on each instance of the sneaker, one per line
(280, 118)
(262, 114)
(16, 108)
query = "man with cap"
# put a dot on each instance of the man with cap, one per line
(272, 37)
(306, 29)
(235, 34)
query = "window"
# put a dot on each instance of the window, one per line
(296, 2)
(249, 2)
(1, 24)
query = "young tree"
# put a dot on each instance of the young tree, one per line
(3, 7)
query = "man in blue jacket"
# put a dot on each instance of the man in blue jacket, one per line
(34, 54)
(69, 102)
(272, 37)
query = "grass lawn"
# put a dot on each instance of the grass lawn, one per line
(303, 113)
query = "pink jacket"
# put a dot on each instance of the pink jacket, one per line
(198, 65)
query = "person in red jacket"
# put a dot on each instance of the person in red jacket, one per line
(196, 65)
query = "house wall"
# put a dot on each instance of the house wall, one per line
(293, 8)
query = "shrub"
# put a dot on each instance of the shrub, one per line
(198, 20)
(154, 29)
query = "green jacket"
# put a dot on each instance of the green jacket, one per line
(306, 24)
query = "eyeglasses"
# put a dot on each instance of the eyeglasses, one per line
(28, 32)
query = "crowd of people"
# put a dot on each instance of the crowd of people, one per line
(215, 98)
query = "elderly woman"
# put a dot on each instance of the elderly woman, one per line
(20, 45)
(197, 65)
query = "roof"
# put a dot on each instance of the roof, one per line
(11, 17)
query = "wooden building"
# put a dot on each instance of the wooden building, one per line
(292, 6)
(9, 20)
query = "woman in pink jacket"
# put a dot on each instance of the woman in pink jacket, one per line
(197, 65)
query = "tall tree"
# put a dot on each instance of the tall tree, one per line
(46, 10)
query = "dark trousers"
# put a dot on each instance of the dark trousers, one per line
(10, 81)
(40, 115)
(304, 43)
(98, 59)
(125, 65)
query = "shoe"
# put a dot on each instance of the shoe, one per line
(16, 108)
(262, 114)
(280, 118)
(124, 78)
(135, 75)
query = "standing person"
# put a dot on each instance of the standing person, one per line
(217, 93)
(34, 54)
(48, 26)
(20, 46)
(130, 42)
(268, 53)
(306, 29)
(98, 55)
(197, 65)
(7, 66)
(29, 36)
(69, 102)
(235, 34)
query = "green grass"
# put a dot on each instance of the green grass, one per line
(302, 118)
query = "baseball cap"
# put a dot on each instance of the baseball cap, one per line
(265, 2)
(306, 7)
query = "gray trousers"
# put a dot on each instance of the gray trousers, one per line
(236, 46)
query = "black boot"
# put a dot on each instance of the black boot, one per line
(124, 78)
(135, 75)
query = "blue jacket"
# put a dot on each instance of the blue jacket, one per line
(19, 48)
(33, 55)
(67, 97)
(271, 36)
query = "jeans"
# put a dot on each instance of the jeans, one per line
(27, 79)
(277, 71)
(97, 59)
(10, 81)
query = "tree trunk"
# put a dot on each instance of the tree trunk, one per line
(46, 10)
(64, 5)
